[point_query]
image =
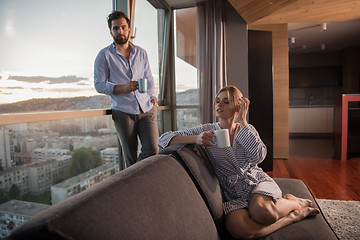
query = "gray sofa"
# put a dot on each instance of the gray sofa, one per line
(173, 195)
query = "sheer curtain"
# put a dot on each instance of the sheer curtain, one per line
(211, 47)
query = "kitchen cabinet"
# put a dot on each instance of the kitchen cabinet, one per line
(311, 120)
(297, 120)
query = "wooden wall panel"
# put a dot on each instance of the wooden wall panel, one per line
(280, 87)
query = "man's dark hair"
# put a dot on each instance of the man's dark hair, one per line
(116, 15)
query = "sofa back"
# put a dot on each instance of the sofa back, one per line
(197, 164)
(153, 199)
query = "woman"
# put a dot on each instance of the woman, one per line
(254, 206)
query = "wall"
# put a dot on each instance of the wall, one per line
(351, 70)
(325, 95)
(320, 95)
(314, 60)
(280, 87)
(261, 90)
(236, 49)
(237, 62)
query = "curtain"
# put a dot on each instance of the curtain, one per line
(211, 55)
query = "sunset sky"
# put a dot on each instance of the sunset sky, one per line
(48, 47)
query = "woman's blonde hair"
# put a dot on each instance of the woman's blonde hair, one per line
(234, 96)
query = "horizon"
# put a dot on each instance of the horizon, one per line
(82, 96)
(63, 62)
(31, 99)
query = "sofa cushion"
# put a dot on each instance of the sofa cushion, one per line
(315, 227)
(153, 199)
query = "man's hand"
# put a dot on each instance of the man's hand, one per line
(126, 88)
(204, 138)
(155, 102)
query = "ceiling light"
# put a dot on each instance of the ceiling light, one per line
(323, 27)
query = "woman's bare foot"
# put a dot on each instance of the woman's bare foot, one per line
(305, 212)
(302, 202)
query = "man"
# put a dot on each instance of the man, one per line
(116, 71)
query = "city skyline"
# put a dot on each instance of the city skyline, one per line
(48, 48)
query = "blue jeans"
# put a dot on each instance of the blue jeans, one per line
(129, 127)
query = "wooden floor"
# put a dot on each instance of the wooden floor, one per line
(311, 160)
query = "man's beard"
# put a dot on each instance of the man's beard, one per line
(120, 40)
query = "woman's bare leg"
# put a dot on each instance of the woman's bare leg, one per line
(241, 226)
(301, 201)
(290, 202)
(263, 210)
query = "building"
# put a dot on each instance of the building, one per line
(14, 213)
(44, 174)
(35, 178)
(77, 184)
(18, 176)
(42, 154)
(25, 148)
(6, 148)
(96, 143)
(110, 155)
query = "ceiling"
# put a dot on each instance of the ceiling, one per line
(304, 19)
(309, 37)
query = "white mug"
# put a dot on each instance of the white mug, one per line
(222, 138)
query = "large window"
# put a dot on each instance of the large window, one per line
(47, 53)
(48, 49)
(49, 161)
(186, 68)
(148, 31)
